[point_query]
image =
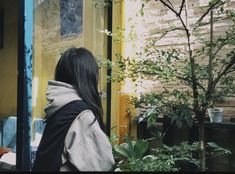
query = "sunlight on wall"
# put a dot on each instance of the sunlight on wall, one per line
(130, 45)
(148, 86)
(133, 28)
(127, 87)
(136, 27)
(35, 90)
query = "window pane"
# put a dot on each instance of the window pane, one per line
(58, 25)
(8, 81)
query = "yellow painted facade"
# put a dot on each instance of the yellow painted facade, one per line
(47, 48)
(8, 60)
(49, 44)
(123, 112)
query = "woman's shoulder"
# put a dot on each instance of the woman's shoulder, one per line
(84, 119)
(83, 124)
(86, 116)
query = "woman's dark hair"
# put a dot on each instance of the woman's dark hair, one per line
(78, 67)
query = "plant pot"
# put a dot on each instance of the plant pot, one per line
(215, 114)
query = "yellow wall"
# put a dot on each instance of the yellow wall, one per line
(116, 49)
(47, 48)
(128, 10)
(120, 116)
(48, 45)
(8, 59)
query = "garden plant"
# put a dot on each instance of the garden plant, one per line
(204, 71)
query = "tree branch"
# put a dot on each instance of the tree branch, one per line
(192, 61)
(215, 19)
(225, 41)
(210, 73)
(163, 34)
(207, 11)
(168, 6)
(170, 3)
(221, 69)
(181, 7)
(177, 15)
(224, 72)
(229, 37)
(220, 47)
(190, 81)
(231, 70)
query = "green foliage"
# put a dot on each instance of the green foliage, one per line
(217, 150)
(182, 152)
(132, 149)
(131, 156)
(103, 3)
(173, 104)
(137, 156)
(193, 80)
(202, 83)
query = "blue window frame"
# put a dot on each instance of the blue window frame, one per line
(24, 90)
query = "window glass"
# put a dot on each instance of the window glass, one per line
(58, 25)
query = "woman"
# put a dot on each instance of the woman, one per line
(74, 138)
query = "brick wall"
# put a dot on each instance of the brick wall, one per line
(157, 18)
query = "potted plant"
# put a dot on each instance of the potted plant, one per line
(215, 114)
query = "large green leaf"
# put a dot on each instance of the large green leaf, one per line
(140, 147)
(123, 149)
(218, 148)
(130, 145)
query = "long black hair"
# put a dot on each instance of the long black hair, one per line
(78, 67)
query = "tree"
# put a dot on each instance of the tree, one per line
(206, 69)
(216, 72)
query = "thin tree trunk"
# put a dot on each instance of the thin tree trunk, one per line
(202, 153)
(210, 68)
